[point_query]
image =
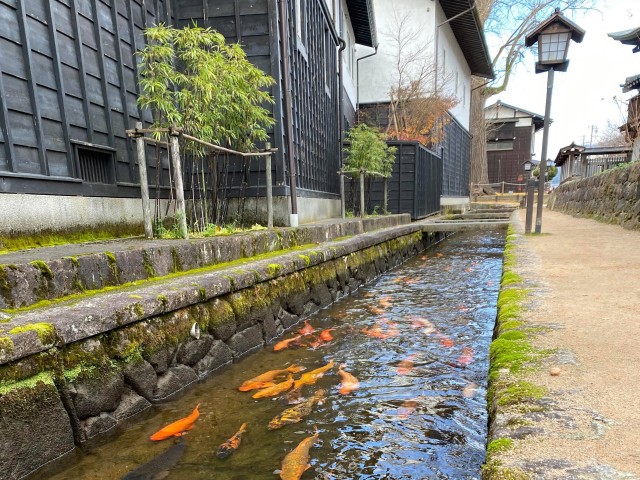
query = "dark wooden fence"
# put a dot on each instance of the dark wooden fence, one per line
(415, 185)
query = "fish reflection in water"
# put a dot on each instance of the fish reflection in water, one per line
(159, 467)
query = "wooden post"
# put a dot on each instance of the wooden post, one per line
(385, 195)
(269, 188)
(502, 188)
(177, 175)
(144, 184)
(362, 212)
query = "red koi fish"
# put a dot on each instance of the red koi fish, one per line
(286, 343)
(231, 445)
(326, 336)
(177, 428)
(446, 342)
(405, 366)
(314, 342)
(466, 357)
(407, 408)
(307, 329)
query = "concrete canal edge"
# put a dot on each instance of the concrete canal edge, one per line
(78, 377)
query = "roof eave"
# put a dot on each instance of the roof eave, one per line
(363, 22)
(468, 31)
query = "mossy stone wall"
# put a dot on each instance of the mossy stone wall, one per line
(95, 385)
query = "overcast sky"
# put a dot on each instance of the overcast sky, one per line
(586, 94)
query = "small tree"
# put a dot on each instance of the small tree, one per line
(369, 154)
(552, 171)
(191, 78)
(419, 100)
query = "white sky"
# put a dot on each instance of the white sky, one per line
(584, 95)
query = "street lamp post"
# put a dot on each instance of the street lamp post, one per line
(552, 36)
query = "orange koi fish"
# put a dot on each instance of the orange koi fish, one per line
(314, 342)
(265, 379)
(405, 366)
(424, 257)
(231, 445)
(407, 408)
(307, 329)
(469, 390)
(466, 357)
(385, 302)
(349, 382)
(427, 326)
(177, 428)
(439, 254)
(312, 377)
(326, 336)
(277, 389)
(286, 343)
(446, 342)
(296, 462)
(296, 414)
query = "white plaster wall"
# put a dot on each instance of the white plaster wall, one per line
(24, 214)
(378, 73)
(454, 69)
(345, 30)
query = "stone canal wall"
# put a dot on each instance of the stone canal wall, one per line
(77, 372)
(611, 197)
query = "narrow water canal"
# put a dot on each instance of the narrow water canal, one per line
(419, 411)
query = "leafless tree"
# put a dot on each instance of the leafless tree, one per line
(418, 107)
(510, 21)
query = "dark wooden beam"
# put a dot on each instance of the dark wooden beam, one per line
(6, 128)
(57, 70)
(35, 108)
(236, 9)
(123, 87)
(83, 72)
(97, 30)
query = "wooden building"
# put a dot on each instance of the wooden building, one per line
(631, 128)
(68, 90)
(510, 143)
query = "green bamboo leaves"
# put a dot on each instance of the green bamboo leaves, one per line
(190, 78)
(368, 151)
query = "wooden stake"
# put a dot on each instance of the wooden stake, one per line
(177, 175)
(144, 184)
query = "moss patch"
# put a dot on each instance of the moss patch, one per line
(31, 382)
(46, 332)
(44, 268)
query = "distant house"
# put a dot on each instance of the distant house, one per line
(510, 142)
(68, 89)
(451, 41)
(632, 127)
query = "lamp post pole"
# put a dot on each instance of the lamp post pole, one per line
(542, 175)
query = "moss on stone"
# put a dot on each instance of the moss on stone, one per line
(44, 268)
(139, 310)
(519, 392)
(306, 259)
(6, 345)
(495, 470)
(499, 445)
(148, 264)
(274, 269)
(163, 300)
(509, 278)
(46, 331)
(45, 378)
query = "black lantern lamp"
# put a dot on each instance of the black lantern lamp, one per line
(553, 37)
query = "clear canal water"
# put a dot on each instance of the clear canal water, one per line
(418, 419)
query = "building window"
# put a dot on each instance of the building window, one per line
(495, 146)
(95, 165)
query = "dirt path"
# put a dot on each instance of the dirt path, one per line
(586, 288)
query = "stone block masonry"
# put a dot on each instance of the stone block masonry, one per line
(611, 197)
(78, 372)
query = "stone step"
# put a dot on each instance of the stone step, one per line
(45, 274)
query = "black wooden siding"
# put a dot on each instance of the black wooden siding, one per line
(508, 165)
(415, 185)
(315, 102)
(456, 160)
(68, 78)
